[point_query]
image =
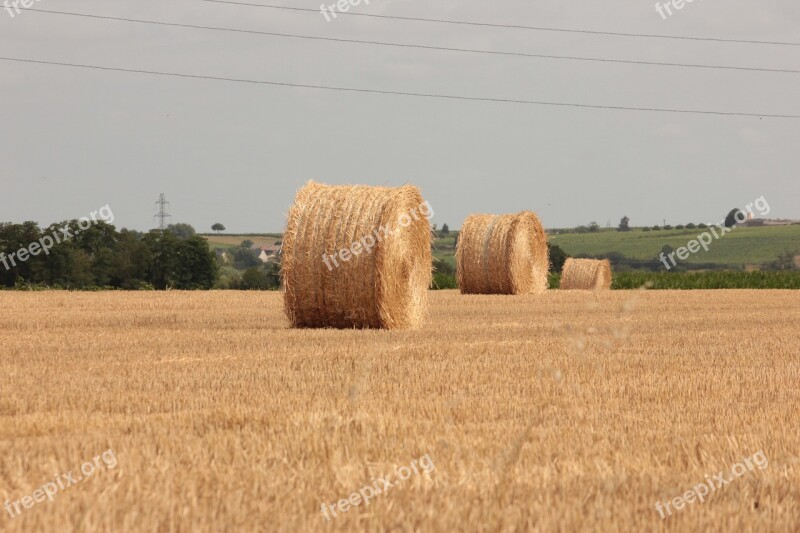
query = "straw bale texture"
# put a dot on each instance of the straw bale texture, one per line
(586, 274)
(502, 254)
(381, 281)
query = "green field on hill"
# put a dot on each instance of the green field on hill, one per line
(741, 246)
(234, 241)
(699, 280)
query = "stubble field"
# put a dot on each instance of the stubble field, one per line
(559, 412)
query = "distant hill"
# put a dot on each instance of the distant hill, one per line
(741, 246)
(226, 241)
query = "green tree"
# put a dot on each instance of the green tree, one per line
(266, 277)
(624, 224)
(273, 270)
(557, 258)
(14, 237)
(734, 217)
(246, 244)
(254, 279)
(56, 267)
(162, 270)
(244, 259)
(98, 242)
(79, 270)
(98, 255)
(594, 227)
(228, 278)
(130, 262)
(196, 265)
(183, 231)
(217, 227)
(445, 230)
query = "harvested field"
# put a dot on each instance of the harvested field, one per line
(564, 411)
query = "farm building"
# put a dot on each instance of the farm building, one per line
(771, 222)
(268, 254)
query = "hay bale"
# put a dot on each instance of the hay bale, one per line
(502, 254)
(586, 274)
(357, 257)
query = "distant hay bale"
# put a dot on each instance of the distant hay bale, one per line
(502, 254)
(586, 274)
(343, 269)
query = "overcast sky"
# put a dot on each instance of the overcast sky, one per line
(73, 140)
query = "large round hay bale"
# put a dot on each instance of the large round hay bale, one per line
(357, 257)
(586, 274)
(502, 254)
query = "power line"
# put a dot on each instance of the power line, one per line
(162, 214)
(416, 46)
(398, 93)
(515, 26)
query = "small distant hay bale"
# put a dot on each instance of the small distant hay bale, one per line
(502, 254)
(341, 268)
(586, 274)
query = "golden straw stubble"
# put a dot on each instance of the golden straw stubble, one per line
(357, 257)
(586, 274)
(502, 254)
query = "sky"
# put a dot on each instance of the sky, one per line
(73, 140)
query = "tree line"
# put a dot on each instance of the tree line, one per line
(103, 257)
